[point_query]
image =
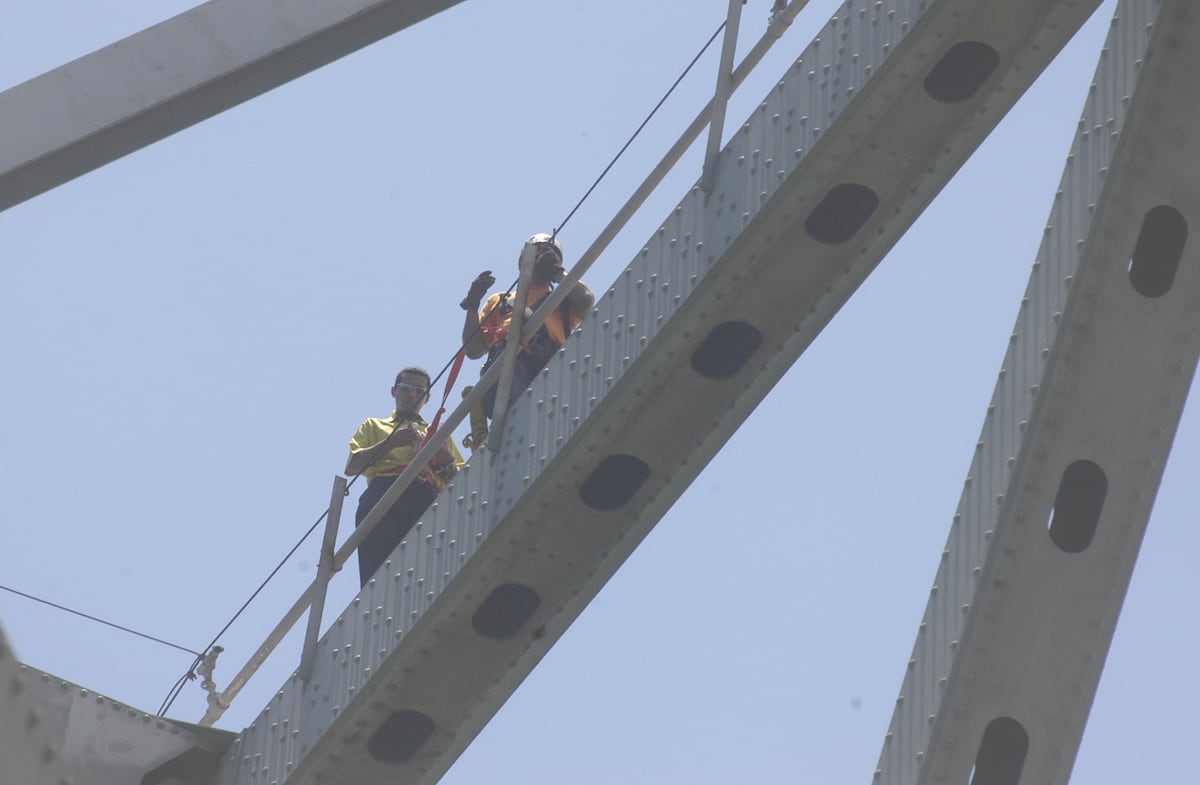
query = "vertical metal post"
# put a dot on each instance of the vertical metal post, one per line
(324, 573)
(716, 125)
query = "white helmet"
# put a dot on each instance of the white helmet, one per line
(546, 239)
(537, 248)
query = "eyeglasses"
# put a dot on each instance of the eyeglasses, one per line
(404, 387)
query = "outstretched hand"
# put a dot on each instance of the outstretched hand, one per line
(479, 288)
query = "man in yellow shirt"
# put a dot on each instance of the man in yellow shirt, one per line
(380, 450)
(486, 330)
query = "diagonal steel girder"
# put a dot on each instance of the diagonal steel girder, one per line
(863, 130)
(146, 87)
(1042, 547)
(53, 732)
(27, 746)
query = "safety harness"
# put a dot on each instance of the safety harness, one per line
(541, 346)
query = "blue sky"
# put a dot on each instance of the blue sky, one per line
(192, 334)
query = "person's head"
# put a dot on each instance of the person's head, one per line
(547, 258)
(411, 389)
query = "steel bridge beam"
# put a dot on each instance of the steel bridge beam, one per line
(146, 87)
(27, 747)
(1041, 550)
(859, 135)
(53, 732)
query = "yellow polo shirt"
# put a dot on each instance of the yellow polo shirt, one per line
(374, 430)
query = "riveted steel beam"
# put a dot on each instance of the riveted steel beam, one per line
(78, 736)
(863, 130)
(30, 752)
(146, 87)
(1058, 496)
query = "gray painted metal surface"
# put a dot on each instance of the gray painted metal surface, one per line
(88, 739)
(1020, 617)
(656, 380)
(28, 752)
(143, 88)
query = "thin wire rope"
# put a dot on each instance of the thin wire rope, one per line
(657, 106)
(98, 620)
(177, 689)
(191, 671)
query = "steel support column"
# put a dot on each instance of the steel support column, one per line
(1024, 605)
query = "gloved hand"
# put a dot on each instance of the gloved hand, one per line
(478, 289)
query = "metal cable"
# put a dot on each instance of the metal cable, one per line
(657, 106)
(99, 620)
(191, 671)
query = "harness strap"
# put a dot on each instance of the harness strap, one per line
(450, 380)
(505, 308)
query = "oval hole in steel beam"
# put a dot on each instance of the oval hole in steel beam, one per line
(400, 736)
(1158, 251)
(1077, 506)
(505, 610)
(725, 350)
(961, 72)
(613, 482)
(841, 213)
(1001, 754)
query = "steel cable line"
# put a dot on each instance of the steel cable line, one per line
(98, 620)
(191, 672)
(625, 147)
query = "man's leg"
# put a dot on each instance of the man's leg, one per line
(409, 508)
(523, 375)
(373, 550)
(399, 520)
(489, 401)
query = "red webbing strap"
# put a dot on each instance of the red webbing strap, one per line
(450, 380)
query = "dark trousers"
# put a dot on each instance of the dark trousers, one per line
(403, 515)
(524, 371)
